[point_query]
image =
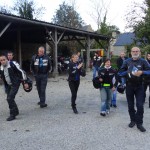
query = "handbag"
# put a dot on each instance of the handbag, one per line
(96, 83)
(83, 72)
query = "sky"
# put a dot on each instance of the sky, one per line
(117, 10)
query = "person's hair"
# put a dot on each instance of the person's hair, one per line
(10, 52)
(148, 54)
(41, 47)
(3, 54)
(122, 53)
(135, 48)
(107, 59)
(73, 55)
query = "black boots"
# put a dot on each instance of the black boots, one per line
(113, 105)
(131, 124)
(11, 117)
(13, 114)
(141, 128)
(75, 110)
(43, 105)
(38, 103)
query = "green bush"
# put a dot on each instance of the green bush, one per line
(114, 61)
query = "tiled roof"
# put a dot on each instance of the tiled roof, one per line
(125, 39)
(87, 28)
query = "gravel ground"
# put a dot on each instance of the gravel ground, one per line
(57, 128)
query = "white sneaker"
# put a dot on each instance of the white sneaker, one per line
(103, 113)
(107, 112)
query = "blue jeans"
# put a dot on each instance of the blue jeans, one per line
(114, 96)
(95, 69)
(106, 94)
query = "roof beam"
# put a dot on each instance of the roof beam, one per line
(60, 37)
(6, 27)
(77, 32)
(101, 44)
(79, 42)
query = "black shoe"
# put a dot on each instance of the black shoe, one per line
(39, 103)
(115, 105)
(10, 118)
(131, 124)
(75, 110)
(17, 113)
(43, 105)
(111, 105)
(141, 128)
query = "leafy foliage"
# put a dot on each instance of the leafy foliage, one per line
(24, 8)
(107, 30)
(5, 10)
(67, 16)
(140, 23)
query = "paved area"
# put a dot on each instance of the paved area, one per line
(57, 128)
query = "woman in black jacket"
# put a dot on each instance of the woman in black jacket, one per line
(107, 74)
(74, 79)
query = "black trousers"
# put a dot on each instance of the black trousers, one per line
(41, 83)
(135, 92)
(11, 93)
(74, 85)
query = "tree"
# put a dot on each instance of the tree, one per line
(99, 11)
(28, 9)
(67, 16)
(5, 10)
(141, 24)
(107, 30)
(103, 29)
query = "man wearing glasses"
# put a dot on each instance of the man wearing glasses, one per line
(133, 70)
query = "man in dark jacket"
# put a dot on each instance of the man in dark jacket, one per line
(133, 70)
(10, 56)
(147, 80)
(121, 59)
(80, 59)
(40, 67)
(12, 76)
(97, 60)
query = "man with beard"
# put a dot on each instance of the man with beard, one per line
(133, 70)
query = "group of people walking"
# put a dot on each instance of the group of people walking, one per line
(134, 74)
(13, 76)
(131, 74)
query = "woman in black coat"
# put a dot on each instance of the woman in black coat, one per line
(74, 79)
